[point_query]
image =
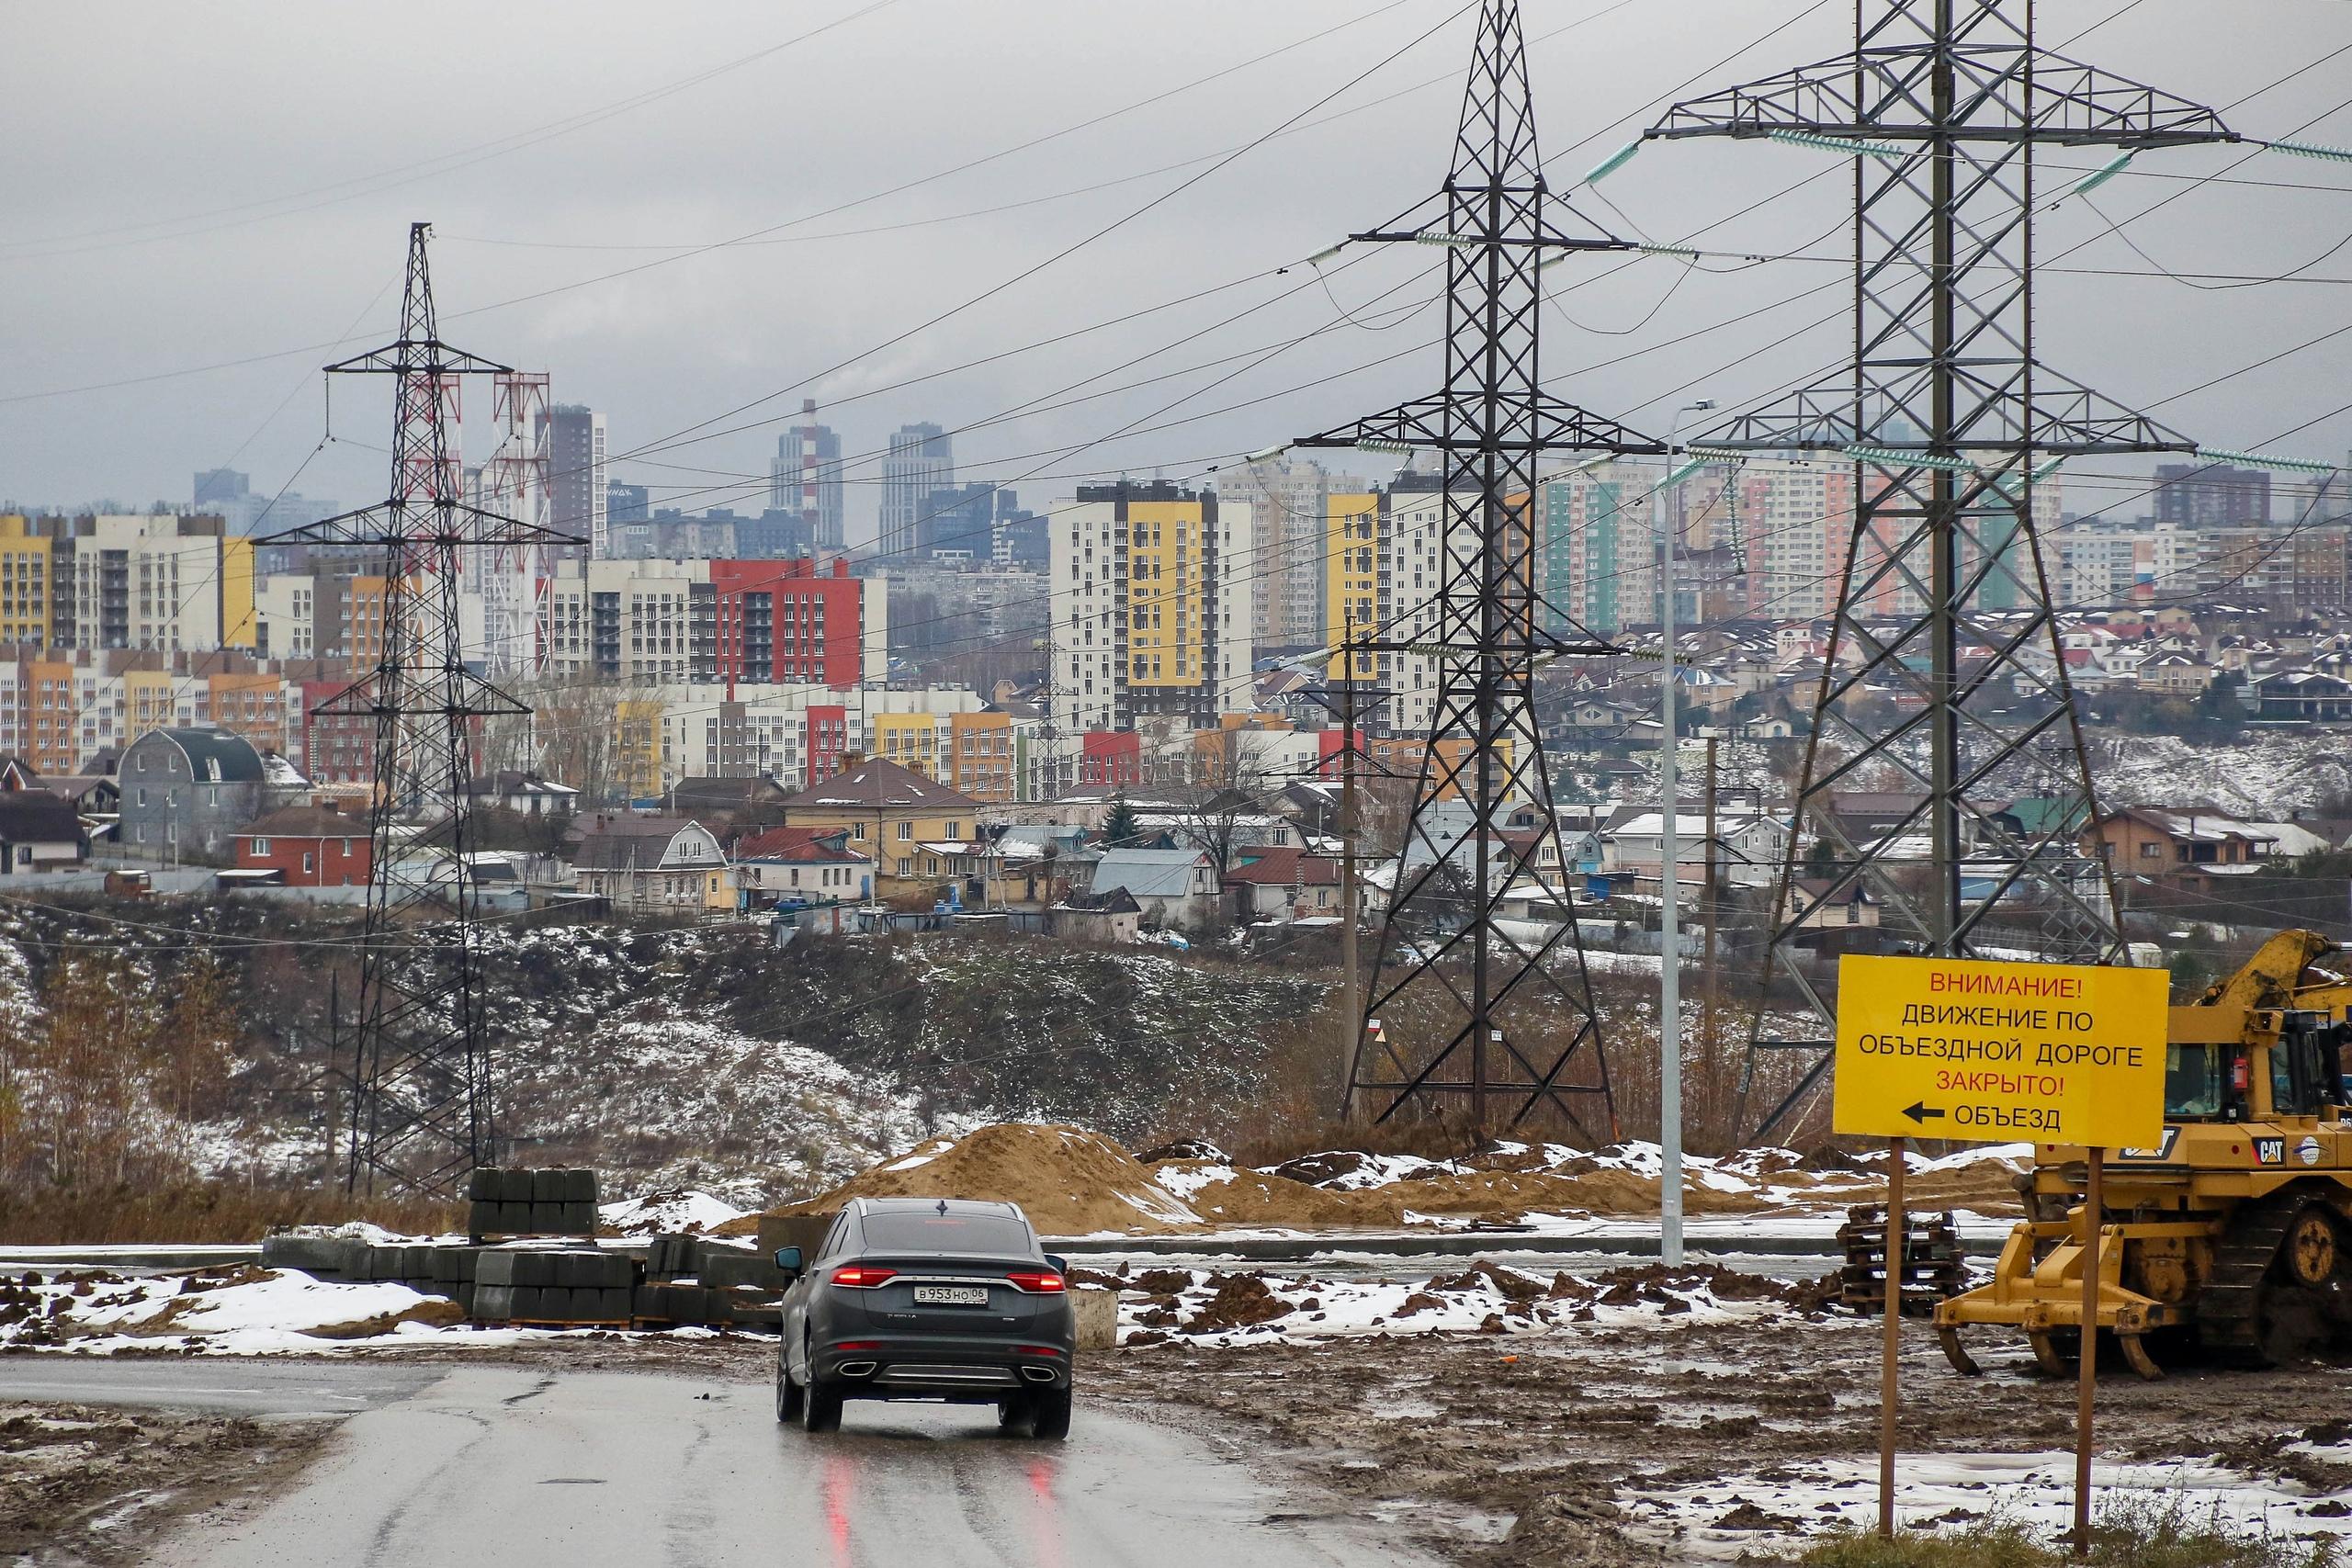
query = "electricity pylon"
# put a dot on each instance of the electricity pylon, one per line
(1951, 421)
(1463, 1003)
(421, 1104)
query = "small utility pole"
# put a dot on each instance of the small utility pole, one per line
(1670, 966)
(1707, 914)
(1351, 1002)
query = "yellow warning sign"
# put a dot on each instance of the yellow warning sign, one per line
(2000, 1053)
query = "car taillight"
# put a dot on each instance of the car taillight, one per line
(863, 1276)
(1034, 1350)
(1035, 1283)
(858, 1345)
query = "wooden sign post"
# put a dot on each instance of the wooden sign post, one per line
(1997, 1053)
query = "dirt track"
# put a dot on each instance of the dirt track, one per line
(1576, 1436)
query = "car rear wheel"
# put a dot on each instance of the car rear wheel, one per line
(820, 1405)
(789, 1396)
(1012, 1413)
(1049, 1413)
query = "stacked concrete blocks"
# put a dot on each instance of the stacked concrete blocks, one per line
(514, 1202)
(551, 1287)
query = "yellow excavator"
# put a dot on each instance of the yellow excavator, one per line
(2233, 1233)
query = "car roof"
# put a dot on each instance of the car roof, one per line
(932, 1205)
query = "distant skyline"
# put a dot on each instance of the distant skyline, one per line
(218, 187)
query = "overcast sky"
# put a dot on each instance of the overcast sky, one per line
(188, 186)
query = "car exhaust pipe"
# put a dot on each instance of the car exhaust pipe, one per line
(1038, 1374)
(855, 1369)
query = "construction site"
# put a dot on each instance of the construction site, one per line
(1891, 1129)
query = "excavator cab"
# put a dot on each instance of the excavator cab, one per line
(2234, 1231)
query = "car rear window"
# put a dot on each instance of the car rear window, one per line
(946, 1233)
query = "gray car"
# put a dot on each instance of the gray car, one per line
(927, 1298)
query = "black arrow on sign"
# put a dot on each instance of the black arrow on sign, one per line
(1917, 1110)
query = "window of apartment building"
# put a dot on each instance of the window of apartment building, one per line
(261, 846)
(907, 829)
(905, 865)
(308, 858)
(857, 829)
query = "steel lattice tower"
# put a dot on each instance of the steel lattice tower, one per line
(1950, 419)
(1479, 1007)
(421, 1109)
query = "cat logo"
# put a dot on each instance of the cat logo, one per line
(2270, 1151)
(2161, 1151)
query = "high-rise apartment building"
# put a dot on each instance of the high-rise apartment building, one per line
(151, 581)
(920, 461)
(746, 622)
(2212, 495)
(578, 497)
(1596, 550)
(806, 476)
(1150, 607)
(214, 487)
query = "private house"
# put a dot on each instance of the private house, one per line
(1282, 884)
(2189, 847)
(1851, 910)
(187, 792)
(92, 794)
(1171, 888)
(39, 832)
(308, 846)
(731, 806)
(649, 865)
(2304, 695)
(785, 866)
(1111, 917)
(896, 815)
(523, 793)
(1748, 848)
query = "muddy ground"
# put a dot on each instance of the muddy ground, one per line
(84, 1485)
(1553, 1449)
(1496, 1451)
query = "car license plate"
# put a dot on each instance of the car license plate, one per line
(952, 1295)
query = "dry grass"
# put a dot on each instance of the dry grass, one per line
(2154, 1533)
(199, 1211)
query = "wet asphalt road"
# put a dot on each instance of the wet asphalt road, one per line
(518, 1467)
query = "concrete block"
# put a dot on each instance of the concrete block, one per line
(547, 1186)
(383, 1263)
(525, 1300)
(578, 1270)
(468, 1260)
(514, 1219)
(1096, 1318)
(514, 1185)
(494, 1266)
(582, 1217)
(481, 1219)
(578, 1186)
(463, 1292)
(481, 1184)
(613, 1303)
(535, 1269)
(723, 1269)
(554, 1304)
(334, 1255)
(492, 1304)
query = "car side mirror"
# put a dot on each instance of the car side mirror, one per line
(787, 1259)
(1058, 1264)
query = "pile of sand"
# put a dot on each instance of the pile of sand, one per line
(1067, 1180)
(1074, 1182)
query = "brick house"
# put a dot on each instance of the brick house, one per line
(308, 846)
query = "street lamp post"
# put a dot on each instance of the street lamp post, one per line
(1669, 969)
